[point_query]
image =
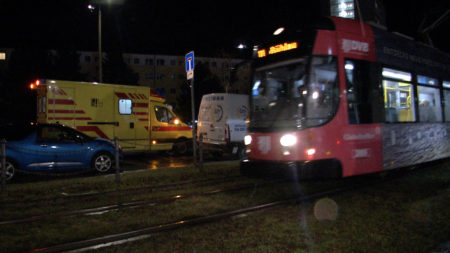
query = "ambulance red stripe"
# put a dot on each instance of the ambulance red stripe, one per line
(69, 118)
(67, 111)
(61, 101)
(92, 129)
(121, 95)
(170, 128)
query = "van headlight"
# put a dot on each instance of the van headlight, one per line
(247, 140)
(288, 140)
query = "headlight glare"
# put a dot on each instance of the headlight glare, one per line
(288, 140)
(247, 139)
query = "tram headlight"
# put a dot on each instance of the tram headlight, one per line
(247, 140)
(288, 140)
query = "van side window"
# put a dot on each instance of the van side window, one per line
(162, 114)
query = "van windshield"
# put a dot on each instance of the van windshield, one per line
(298, 94)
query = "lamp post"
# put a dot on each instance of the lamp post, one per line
(100, 58)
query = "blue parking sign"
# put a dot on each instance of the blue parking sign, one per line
(189, 60)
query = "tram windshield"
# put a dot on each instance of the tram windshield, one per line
(294, 94)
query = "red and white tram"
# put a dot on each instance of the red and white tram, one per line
(346, 99)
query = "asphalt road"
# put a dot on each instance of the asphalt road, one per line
(154, 161)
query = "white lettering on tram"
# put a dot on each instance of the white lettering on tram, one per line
(354, 45)
(356, 137)
(361, 153)
(264, 144)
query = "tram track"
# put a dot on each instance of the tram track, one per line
(134, 204)
(146, 232)
(140, 234)
(127, 191)
(186, 219)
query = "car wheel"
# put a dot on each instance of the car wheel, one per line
(10, 169)
(102, 162)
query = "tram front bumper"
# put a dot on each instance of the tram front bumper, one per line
(329, 168)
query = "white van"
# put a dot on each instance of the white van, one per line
(222, 123)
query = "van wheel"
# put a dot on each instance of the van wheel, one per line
(102, 162)
(10, 169)
(180, 147)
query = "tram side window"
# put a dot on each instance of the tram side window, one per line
(446, 93)
(398, 96)
(359, 89)
(429, 104)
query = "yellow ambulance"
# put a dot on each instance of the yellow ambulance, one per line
(136, 115)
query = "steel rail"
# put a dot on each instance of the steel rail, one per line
(134, 204)
(135, 235)
(120, 238)
(66, 196)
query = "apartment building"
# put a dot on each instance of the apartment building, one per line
(167, 72)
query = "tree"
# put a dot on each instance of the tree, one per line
(204, 83)
(114, 68)
(66, 66)
(26, 64)
(116, 71)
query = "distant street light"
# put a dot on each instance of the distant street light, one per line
(278, 31)
(100, 58)
(241, 46)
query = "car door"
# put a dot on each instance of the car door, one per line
(70, 152)
(41, 154)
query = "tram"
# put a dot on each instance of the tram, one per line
(346, 98)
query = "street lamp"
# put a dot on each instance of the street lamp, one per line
(100, 58)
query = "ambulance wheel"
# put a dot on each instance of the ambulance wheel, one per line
(10, 169)
(180, 147)
(102, 162)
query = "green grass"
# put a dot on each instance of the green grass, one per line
(408, 214)
(79, 185)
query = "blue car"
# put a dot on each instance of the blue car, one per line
(54, 147)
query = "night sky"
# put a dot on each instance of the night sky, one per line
(176, 27)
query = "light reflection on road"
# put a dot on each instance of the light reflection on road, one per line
(158, 161)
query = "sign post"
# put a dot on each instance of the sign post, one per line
(3, 163)
(189, 60)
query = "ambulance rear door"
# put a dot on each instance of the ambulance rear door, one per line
(125, 129)
(61, 107)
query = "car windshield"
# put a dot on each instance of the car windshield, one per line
(295, 94)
